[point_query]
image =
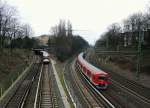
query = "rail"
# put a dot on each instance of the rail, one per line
(45, 94)
(144, 101)
(19, 95)
(37, 91)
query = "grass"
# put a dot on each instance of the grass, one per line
(11, 66)
(125, 66)
(59, 68)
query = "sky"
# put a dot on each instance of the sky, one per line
(89, 18)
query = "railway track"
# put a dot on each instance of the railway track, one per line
(128, 93)
(45, 92)
(89, 98)
(29, 103)
(124, 96)
(134, 94)
(133, 86)
(137, 100)
(19, 97)
(81, 99)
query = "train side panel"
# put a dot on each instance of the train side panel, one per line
(98, 77)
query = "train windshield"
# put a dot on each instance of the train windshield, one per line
(102, 78)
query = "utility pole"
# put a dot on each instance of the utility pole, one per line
(139, 52)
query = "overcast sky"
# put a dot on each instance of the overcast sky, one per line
(92, 17)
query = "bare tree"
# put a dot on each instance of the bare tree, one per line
(65, 43)
(113, 34)
(135, 23)
(54, 31)
(28, 32)
(62, 28)
(69, 29)
(7, 13)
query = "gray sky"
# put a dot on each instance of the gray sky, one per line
(93, 16)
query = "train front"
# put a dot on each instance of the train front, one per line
(101, 80)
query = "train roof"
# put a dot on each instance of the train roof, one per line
(45, 54)
(94, 69)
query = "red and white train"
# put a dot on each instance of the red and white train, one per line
(97, 77)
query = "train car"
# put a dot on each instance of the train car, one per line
(46, 61)
(45, 57)
(97, 77)
(45, 54)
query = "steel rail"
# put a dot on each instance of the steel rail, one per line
(80, 89)
(79, 96)
(132, 85)
(37, 90)
(20, 93)
(25, 97)
(140, 97)
(45, 96)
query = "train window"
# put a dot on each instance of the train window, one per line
(84, 55)
(89, 73)
(102, 78)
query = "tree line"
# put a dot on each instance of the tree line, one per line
(127, 33)
(63, 41)
(13, 33)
